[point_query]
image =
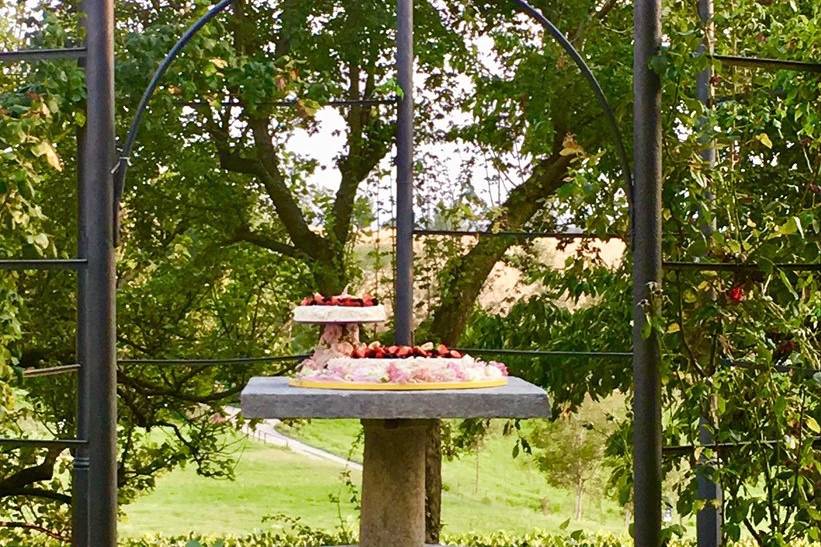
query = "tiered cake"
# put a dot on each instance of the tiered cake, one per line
(341, 361)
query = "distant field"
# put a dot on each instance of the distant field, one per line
(508, 494)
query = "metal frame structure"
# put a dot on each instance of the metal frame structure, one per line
(94, 494)
(102, 179)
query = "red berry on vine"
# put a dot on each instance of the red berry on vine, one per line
(787, 347)
(736, 294)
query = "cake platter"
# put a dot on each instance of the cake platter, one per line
(387, 386)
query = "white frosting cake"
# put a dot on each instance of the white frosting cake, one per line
(411, 370)
(340, 314)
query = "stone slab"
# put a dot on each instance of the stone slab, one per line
(272, 397)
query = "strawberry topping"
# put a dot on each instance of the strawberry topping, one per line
(378, 351)
(317, 299)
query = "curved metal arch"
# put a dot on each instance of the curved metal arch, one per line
(562, 40)
(124, 160)
(121, 168)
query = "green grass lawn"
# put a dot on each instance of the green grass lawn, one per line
(507, 495)
(268, 480)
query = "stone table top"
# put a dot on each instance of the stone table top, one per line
(272, 397)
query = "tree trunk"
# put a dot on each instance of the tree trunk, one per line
(450, 318)
(476, 481)
(433, 484)
(329, 278)
(469, 272)
(579, 494)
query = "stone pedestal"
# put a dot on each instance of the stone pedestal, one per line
(393, 477)
(393, 483)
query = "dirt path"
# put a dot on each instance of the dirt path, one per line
(267, 432)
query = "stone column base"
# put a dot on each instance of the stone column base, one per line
(393, 484)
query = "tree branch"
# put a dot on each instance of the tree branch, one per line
(470, 271)
(605, 9)
(41, 472)
(367, 145)
(36, 493)
(265, 165)
(36, 527)
(286, 206)
(151, 389)
(236, 163)
(245, 235)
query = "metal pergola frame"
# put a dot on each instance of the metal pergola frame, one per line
(102, 178)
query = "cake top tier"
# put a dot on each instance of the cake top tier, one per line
(340, 309)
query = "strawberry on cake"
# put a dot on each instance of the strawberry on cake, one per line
(339, 309)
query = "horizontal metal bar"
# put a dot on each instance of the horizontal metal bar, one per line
(478, 351)
(759, 62)
(687, 448)
(730, 267)
(42, 443)
(518, 235)
(215, 361)
(293, 102)
(42, 54)
(778, 368)
(539, 353)
(50, 371)
(43, 264)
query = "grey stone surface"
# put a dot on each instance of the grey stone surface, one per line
(272, 397)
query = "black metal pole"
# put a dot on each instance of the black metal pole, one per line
(98, 329)
(646, 274)
(704, 88)
(404, 175)
(708, 519)
(79, 487)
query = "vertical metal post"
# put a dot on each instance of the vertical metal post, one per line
(709, 519)
(79, 486)
(98, 286)
(704, 88)
(646, 272)
(404, 175)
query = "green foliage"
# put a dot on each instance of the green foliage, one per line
(308, 538)
(570, 451)
(742, 347)
(547, 322)
(37, 123)
(311, 538)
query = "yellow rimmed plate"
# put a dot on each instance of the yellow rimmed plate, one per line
(371, 386)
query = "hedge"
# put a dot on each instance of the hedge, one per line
(315, 538)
